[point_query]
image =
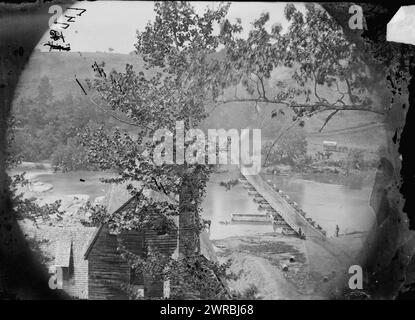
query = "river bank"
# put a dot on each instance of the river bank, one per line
(258, 255)
(72, 189)
(281, 267)
(325, 174)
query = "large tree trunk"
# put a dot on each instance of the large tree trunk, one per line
(188, 229)
(387, 256)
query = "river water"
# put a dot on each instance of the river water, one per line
(76, 182)
(328, 204)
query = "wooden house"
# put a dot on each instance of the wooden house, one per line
(70, 244)
(108, 272)
(91, 265)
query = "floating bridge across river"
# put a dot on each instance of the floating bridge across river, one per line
(288, 213)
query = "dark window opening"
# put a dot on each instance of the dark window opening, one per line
(163, 229)
(136, 278)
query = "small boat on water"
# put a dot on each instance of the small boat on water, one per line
(279, 222)
(277, 215)
(248, 217)
(289, 232)
(264, 207)
(260, 200)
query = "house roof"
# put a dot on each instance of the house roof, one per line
(63, 251)
(58, 244)
(92, 241)
(70, 238)
(99, 229)
(118, 198)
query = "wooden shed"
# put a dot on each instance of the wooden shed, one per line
(67, 246)
(108, 271)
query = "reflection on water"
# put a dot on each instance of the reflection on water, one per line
(70, 183)
(352, 180)
(331, 204)
(328, 204)
(219, 204)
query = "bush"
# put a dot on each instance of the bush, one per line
(291, 149)
(46, 128)
(249, 293)
(71, 156)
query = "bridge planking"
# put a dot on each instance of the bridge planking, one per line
(294, 219)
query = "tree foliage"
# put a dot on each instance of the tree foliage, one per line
(193, 277)
(23, 207)
(330, 73)
(315, 47)
(178, 46)
(46, 128)
(188, 75)
(291, 149)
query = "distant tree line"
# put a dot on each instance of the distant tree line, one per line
(46, 128)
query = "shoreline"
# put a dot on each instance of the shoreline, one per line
(289, 268)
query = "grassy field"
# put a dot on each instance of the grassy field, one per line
(62, 67)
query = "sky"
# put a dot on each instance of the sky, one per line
(402, 26)
(113, 24)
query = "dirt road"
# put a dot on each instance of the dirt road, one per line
(264, 261)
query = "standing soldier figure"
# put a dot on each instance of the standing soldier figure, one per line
(274, 224)
(337, 230)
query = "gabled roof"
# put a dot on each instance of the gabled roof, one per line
(113, 202)
(71, 240)
(98, 230)
(117, 198)
(63, 251)
(55, 243)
